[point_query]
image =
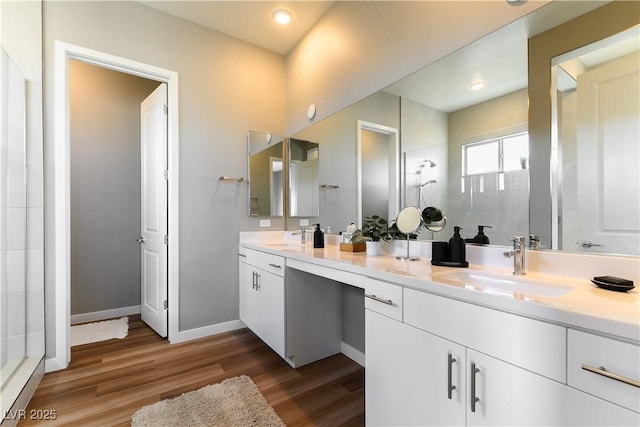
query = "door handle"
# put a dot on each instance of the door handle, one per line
(450, 387)
(587, 244)
(474, 399)
(141, 240)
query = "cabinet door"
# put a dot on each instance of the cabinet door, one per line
(268, 312)
(246, 294)
(511, 396)
(406, 375)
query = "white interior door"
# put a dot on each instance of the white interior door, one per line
(608, 154)
(154, 239)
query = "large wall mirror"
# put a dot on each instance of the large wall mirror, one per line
(266, 175)
(466, 150)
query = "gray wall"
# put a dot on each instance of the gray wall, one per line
(105, 187)
(360, 47)
(221, 97)
(337, 137)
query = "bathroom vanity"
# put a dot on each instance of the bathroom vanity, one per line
(449, 346)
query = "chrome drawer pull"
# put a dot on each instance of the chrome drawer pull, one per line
(375, 298)
(474, 399)
(242, 255)
(450, 387)
(275, 266)
(602, 371)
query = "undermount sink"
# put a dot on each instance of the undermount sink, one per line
(503, 285)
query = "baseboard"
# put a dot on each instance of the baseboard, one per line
(105, 314)
(206, 331)
(353, 354)
(53, 364)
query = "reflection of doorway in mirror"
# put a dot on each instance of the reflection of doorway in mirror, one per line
(598, 180)
(276, 186)
(304, 188)
(378, 166)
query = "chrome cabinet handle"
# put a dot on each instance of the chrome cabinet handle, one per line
(257, 281)
(141, 240)
(602, 371)
(275, 266)
(450, 387)
(382, 300)
(253, 284)
(474, 398)
(242, 255)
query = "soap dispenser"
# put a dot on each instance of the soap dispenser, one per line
(481, 238)
(457, 250)
(318, 237)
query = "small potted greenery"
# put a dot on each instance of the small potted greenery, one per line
(523, 162)
(375, 229)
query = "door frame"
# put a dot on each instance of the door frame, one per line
(394, 140)
(62, 190)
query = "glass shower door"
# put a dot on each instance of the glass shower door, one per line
(13, 218)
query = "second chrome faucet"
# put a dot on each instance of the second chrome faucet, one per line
(518, 255)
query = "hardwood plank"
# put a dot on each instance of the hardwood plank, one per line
(107, 382)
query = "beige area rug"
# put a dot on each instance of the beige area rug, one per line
(99, 331)
(236, 401)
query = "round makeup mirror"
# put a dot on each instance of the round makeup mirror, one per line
(433, 219)
(408, 221)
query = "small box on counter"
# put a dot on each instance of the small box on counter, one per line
(353, 247)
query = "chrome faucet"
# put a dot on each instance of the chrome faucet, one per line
(518, 255)
(303, 234)
(534, 241)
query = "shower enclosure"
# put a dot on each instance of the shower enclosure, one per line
(13, 219)
(21, 254)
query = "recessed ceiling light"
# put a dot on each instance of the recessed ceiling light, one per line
(282, 16)
(477, 85)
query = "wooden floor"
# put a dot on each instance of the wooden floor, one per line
(107, 382)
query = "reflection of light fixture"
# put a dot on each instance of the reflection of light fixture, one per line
(282, 16)
(477, 85)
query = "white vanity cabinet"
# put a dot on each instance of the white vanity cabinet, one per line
(406, 375)
(605, 367)
(262, 296)
(453, 363)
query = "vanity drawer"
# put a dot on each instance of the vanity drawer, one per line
(383, 298)
(531, 344)
(268, 262)
(588, 352)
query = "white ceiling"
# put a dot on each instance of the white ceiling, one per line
(249, 21)
(500, 59)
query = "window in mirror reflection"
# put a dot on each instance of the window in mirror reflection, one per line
(508, 153)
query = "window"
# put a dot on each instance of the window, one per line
(503, 154)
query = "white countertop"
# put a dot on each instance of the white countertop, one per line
(584, 307)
